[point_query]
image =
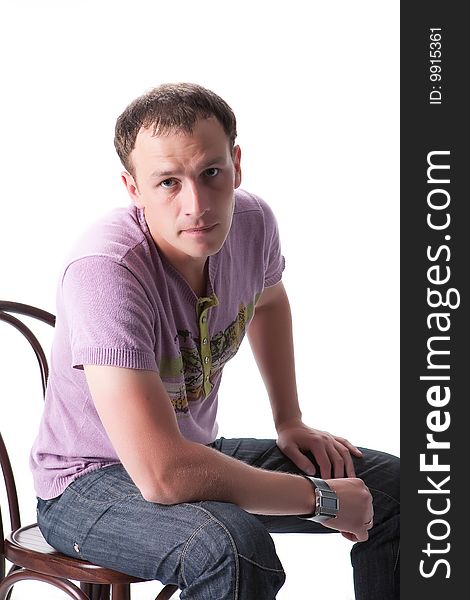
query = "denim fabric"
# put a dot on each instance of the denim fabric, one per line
(215, 550)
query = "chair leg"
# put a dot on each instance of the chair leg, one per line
(96, 591)
(105, 592)
(167, 592)
(120, 591)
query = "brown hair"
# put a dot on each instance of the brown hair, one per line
(170, 107)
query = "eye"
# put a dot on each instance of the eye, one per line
(167, 183)
(212, 171)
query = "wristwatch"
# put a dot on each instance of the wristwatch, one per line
(326, 501)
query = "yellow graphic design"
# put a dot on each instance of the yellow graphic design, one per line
(183, 376)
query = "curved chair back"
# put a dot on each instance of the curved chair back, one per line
(7, 310)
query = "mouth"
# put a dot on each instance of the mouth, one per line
(203, 229)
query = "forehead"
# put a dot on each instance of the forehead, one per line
(208, 137)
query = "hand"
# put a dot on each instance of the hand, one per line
(356, 513)
(332, 453)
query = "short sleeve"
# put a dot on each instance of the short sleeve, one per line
(109, 316)
(274, 261)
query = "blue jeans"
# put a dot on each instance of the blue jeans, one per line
(216, 550)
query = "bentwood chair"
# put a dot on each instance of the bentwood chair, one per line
(25, 548)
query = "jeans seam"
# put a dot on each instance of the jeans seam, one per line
(185, 548)
(396, 559)
(253, 562)
(229, 535)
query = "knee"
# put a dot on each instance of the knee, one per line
(252, 539)
(209, 549)
(230, 529)
(380, 471)
(233, 542)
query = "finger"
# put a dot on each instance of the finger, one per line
(337, 461)
(360, 536)
(324, 463)
(341, 460)
(348, 465)
(299, 459)
(319, 450)
(351, 448)
(349, 468)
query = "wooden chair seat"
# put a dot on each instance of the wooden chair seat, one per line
(28, 548)
(34, 558)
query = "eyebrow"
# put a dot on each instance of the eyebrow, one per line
(174, 171)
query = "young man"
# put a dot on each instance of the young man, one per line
(152, 303)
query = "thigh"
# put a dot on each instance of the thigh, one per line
(102, 517)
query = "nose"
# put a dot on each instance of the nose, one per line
(194, 202)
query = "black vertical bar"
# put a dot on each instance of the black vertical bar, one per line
(434, 298)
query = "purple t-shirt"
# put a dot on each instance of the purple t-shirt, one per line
(121, 303)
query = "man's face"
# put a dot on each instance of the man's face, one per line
(185, 184)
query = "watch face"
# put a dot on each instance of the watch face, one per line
(329, 503)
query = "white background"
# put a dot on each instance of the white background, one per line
(315, 87)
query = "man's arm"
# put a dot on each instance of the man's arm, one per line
(270, 336)
(140, 421)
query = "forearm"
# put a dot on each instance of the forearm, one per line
(202, 473)
(270, 336)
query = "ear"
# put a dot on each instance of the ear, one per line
(132, 189)
(236, 157)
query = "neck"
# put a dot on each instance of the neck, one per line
(197, 278)
(194, 271)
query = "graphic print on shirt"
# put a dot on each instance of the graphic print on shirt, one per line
(182, 376)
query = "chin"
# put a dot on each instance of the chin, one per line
(203, 250)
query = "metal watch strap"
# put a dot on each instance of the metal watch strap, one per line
(319, 483)
(319, 515)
